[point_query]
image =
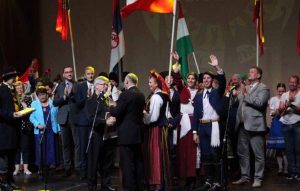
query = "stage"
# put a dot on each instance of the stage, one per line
(57, 182)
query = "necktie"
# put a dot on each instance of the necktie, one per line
(207, 94)
(92, 88)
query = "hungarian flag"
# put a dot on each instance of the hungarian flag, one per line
(258, 17)
(117, 38)
(183, 45)
(62, 18)
(156, 6)
(298, 44)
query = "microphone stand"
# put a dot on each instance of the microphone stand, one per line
(224, 146)
(93, 125)
(44, 168)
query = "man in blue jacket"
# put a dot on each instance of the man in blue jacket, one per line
(206, 125)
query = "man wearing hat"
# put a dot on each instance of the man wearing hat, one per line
(8, 129)
(207, 126)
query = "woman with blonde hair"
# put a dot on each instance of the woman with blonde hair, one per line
(26, 135)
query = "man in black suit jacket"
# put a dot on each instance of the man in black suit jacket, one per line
(64, 100)
(99, 155)
(9, 129)
(84, 90)
(129, 114)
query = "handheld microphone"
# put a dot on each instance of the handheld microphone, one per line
(234, 86)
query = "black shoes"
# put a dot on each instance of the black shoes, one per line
(67, 173)
(205, 187)
(14, 186)
(5, 187)
(215, 187)
(108, 188)
(210, 187)
(82, 175)
(92, 187)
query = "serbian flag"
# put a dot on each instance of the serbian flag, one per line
(156, 6)
(183, 45)
(117, 38)
(258, 17)
(62, 18)
(298, 44)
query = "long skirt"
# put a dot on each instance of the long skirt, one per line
(186, 155)
(47, 147)
(157, 169)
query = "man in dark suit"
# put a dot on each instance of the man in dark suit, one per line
(129, 114)
(96, 108)
(206, 125)
(9, 129)
(251, 126)
(84, 90)
(64, 100)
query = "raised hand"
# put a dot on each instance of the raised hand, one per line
(213, 61)
(175, 56)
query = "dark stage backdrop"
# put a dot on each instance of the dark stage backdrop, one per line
(19, 33)
(221, 27)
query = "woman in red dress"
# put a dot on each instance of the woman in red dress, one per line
(155, 152)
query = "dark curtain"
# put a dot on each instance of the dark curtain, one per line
(19, 33)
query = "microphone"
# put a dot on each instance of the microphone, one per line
(234, 86)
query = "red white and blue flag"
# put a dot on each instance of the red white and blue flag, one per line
(117, 38)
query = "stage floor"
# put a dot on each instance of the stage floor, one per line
(57, 182)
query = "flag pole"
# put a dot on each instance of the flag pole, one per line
(72, 42)
(172, 37)
(196, 63)
(171, 48)
(257, 43)
(120, 69)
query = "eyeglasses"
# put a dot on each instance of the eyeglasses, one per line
(103, 84)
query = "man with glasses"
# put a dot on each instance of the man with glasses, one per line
(63, 99)
(98, 156)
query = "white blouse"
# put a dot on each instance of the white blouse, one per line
(156, 102)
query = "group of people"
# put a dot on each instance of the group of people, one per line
(181, 130)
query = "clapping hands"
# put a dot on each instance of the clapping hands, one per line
(110, 121)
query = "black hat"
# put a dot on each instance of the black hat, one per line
(9, 72)
(200, 78)
(209, 73)
(113, 76)
(164, 74)
(124, 74)
(103, 74)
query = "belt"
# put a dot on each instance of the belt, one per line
(205, 121)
